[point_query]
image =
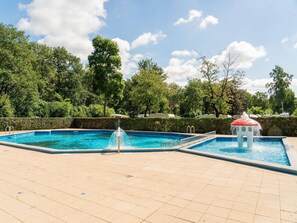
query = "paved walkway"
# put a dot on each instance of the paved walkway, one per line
(140, 187)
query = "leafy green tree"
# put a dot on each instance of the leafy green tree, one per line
(18, 79)
(239, 100)
(260, 99)
(289, 101)
(5, 107)
(97, 110)
(42, 109)
(174, 95)
(149, 91)
(148, 64)
(116, 89)
(79, 111)
(60, 109)
(126, 105)
(277, 88)
(69, 77)
(91, 96)
(105, 62)
(258, 110)
(44, 66)
(219, 79)
(192, 103)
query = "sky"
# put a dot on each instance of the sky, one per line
(173, 33)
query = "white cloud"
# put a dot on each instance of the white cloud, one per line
(137, 57)
(64, 23)
(184, 64)
(129, 62)
(208, 20)
(244, 53)
(284, 40)
(252, 86)
(182, 67)
(184, 53)
(295, 46)
(147, 38)
(191, 16)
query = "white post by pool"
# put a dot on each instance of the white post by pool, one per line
(119, 139)
(118, 116)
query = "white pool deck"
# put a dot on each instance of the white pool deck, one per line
(140, 187)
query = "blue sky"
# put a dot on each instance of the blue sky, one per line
(261, 34)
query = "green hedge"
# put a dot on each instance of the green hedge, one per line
(286, 126)
(35, 123)
(272, 126)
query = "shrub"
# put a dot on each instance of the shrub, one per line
(42, 109)
(286, 126)
(5, 107)
(256, 110)
(294, 113)
(36, 123)
(96, 110)
(60, 109)
(79, 111)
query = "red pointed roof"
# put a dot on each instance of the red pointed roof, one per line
(245, 122)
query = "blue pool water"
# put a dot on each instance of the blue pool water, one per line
(99, 139)
(271, 150)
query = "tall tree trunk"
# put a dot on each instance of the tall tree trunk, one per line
(217, 113)
(145, 111)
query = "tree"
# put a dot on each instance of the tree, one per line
(44, 66)
(116, 89)
(239, 100)
(5, 106)
(260, 99)
(220, 77)
(174, 95)
(18, 80)
(288, 102)
(192, 103)
(69, 76)
(126, 104)
(149, 91)
(277, 88)
(148, 64)
(105, 62)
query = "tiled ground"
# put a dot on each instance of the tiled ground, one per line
(140, 187)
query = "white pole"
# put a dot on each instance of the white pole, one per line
(119, 139)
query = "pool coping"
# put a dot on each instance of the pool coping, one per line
(70, 151)
(291, 152)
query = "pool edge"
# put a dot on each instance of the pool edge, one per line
(290, 152)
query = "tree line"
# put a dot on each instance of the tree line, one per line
(41, 81)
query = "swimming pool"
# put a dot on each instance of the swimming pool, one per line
(269, 150)
(91, 139)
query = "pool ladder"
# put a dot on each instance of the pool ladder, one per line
(190, 129)
(9, 130)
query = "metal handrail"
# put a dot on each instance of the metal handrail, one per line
(198, 138)
(190, 129)
(9, 129)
